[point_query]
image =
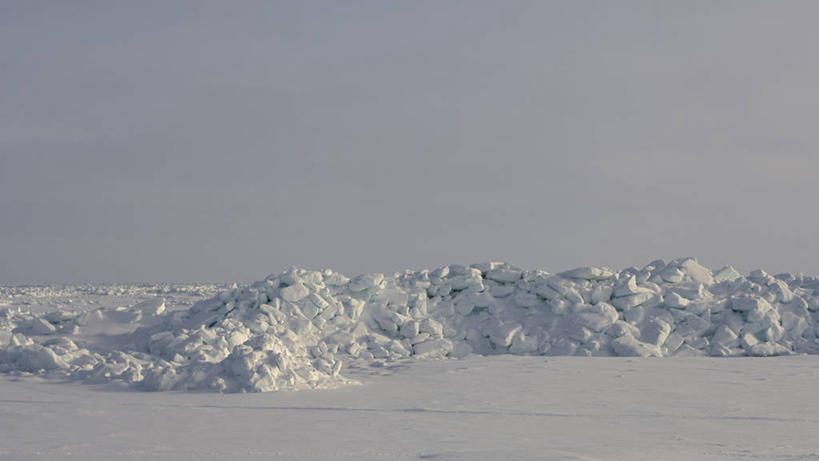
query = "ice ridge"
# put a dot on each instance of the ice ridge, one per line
(298, 329)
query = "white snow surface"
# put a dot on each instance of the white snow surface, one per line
(475, 408)
(300, 329)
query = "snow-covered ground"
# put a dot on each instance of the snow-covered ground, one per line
(487, 361)
(499, 407)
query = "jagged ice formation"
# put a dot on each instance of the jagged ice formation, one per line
(299, 328)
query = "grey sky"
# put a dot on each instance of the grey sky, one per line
(224, 141)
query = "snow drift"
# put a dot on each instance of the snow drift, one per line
(299, 328)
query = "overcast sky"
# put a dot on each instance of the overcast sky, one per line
(223, 141)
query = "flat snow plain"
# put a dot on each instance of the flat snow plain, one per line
(499, 407)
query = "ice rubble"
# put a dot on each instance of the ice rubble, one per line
(298, 328)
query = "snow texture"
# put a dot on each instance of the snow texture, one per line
(300, 328)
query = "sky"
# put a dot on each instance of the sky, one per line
(224, 141)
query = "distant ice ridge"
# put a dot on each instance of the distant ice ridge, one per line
(299, 328)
